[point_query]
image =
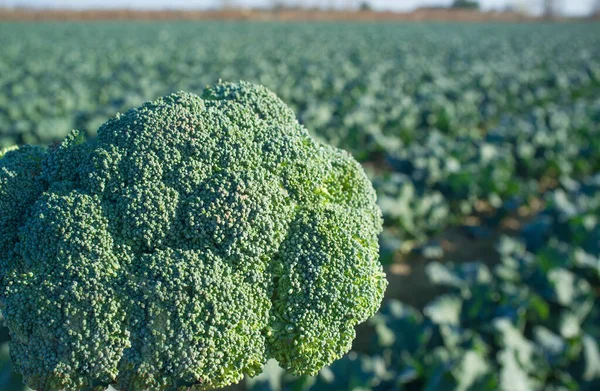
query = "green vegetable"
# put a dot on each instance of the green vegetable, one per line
(191, 241)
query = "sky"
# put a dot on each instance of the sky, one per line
(570, 7)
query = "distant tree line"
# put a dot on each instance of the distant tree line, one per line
(551, 8)
(466, 4)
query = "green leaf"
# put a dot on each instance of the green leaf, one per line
(569, 324)
(460, 276)
(440, 274)
(271, 374)
(591, 355)
(470, 370)
(553, 346)
(444, 310)
(539, 306)
(512, 340)
(564, 286)
(512, 375)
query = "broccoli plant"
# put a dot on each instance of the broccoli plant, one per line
(192, 240)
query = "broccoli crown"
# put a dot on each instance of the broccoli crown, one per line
(192, 240)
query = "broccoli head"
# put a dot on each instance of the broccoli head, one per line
(191, 241)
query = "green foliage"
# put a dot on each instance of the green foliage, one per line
(190, 241)
(472, 123)
(411, 212)
(361, 87)
(445, 117)
(365, 6)
(466, 4)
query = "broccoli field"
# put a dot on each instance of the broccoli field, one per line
(482, 142)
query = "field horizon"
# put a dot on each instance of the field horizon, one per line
(419, 15)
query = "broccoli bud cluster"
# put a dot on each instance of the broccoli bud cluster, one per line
(191, 241)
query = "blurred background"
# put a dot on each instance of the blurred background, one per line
(533, 7)
(477, 121)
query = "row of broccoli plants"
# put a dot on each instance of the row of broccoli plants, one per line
(530, 322)
(433, 184)
(359, 86)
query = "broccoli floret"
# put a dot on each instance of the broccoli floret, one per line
(20, 187)
(191, 241)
